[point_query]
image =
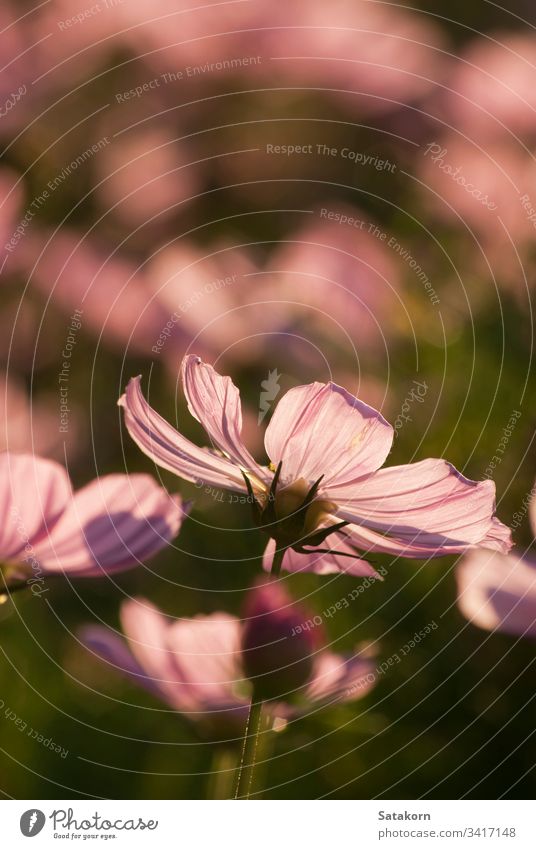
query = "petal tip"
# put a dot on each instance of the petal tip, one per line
(133, 383)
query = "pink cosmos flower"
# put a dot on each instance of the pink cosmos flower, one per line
(491, 89)
(387, 55)
(323, 496)
(332, 275)
(498, 591)
(18, 60)
(108, 288)
(214, 298)
(147, 176)
(110, 525)
(201, 666)
(31, 423)
(477, 190)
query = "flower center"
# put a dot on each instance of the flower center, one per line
(289, 501)
(292, 514)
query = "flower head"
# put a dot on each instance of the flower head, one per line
(498, 591)
(209, 667)
(110, 525)
(323, 498)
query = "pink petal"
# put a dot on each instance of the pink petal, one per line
(497, 591)
(195, 662)
(169, 449)
(339, 679)
(113, 650)
(498, 537)
(207, 650)
(33, 495)
(425, 509)
(112, 524)
(321, 429)
(322, 564)
(146, 629)
(215, 402)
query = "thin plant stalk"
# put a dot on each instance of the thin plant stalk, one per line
(277, 562)
(254, 722)
(246, 770)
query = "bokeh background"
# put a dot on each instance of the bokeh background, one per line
(145, 159)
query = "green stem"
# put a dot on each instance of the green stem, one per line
(222, 775)
(277, 562)
(264, 752)
(249, 751)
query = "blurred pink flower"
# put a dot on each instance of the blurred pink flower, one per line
(110, 525)
(386, 54)
(333, 275)
(468, 185)
(147, 174)
(217, 301)
(485, 193)
(199, 666)
(32, 424)
(18, 58)
(110, 291)
(367, 56)
(73, 38)
(186, 37)
(324, 479)
(498, 591)
(491, 89)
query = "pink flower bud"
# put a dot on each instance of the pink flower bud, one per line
(277, 651)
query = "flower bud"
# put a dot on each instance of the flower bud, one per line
(276, 650)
